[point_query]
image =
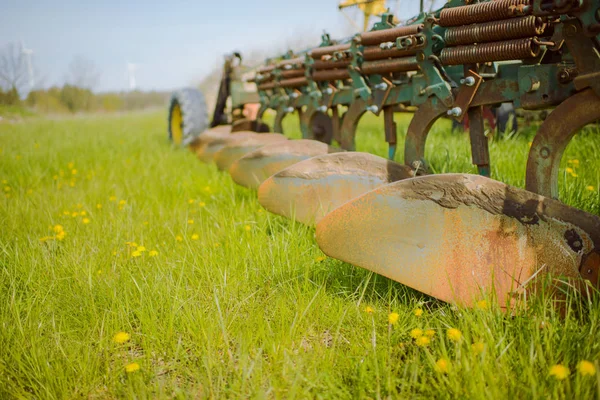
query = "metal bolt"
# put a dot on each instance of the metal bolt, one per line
(294, 95)
(259, 77)
(289, 110)
(387, 45)
(570, 30)
(469, 81)
(374, 109)
(322, 109)
(545, 152)
(328, 90)
(381, 86)
(455, 112)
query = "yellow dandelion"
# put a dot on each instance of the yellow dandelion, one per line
(590, 188)
(202, 204)
(71, 165)
(369, 310)
(85, 220)
(190, 221)
(586, 368)
(153, 253)
(72, 183)
(146, 222)
(217, 244)
(247, 227)
(195, 236)
(99, 206)
(141, 248)
(55, 177)
(429, 333)
(4, 181)
(61, 235)
(121, 337)
(207, 188)
(478, 347)
(559, 372)
(99, 272)
(179, 238)
(569, 170)
(73, 172)
(442, 366)
(482, 305)
(418, 312)
(191, 201)
(66, 212)
(136, 254)
(393, 318)
(29, 191)
(422, 341)
(320, 258)
(130, 368)
(83, 213)
(416, 333)
(74, 214)
(58, 228)
(7, 189)
(575, 162)
(454, 334)
(122, 202)
(46, 238)
(112, 198)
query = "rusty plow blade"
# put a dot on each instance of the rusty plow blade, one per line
(461, 238)
(308, 190)
(236, 148)
(213, 140)
(252, 169)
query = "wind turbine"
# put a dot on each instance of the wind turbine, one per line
(28, 53)
(131, 68)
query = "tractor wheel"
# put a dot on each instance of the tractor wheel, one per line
(188, 116)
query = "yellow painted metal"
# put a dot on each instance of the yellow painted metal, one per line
(176, 124)
(368, 8)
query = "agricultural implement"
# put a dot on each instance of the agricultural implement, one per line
(457, 237)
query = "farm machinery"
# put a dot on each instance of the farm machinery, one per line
(456, 237)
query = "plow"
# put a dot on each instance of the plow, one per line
(456, 237)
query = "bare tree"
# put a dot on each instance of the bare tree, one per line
(13, 68)
(82, 73)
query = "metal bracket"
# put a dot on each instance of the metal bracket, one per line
(466, 94)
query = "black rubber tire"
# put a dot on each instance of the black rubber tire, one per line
(506, 119)
(194, 115)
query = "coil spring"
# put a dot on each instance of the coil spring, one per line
(495, 31)
(494, 51)
(481, 12)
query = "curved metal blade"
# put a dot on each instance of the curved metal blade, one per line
(308, 190)
(210, 142)
(252, 169)
(236, 148)
(461, 237)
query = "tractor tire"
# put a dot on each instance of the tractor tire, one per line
(188, 116)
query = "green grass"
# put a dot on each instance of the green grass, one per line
(240, 303)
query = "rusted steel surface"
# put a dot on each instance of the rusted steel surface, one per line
(235, 148)
(330, 75)
(388, 35)
(252, 169)
(495, 31)
(212, 142)
(376, 53)
(418, 129)
(292, 73)
(493, 51)
(461, 238)
(553, 137)
(483, 12)
(285, 83)
(392, 65)
(328, 50)
(310, 189)
(330, 64)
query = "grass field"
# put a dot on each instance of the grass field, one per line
(129, 269)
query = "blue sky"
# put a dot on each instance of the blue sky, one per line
(175, 43)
